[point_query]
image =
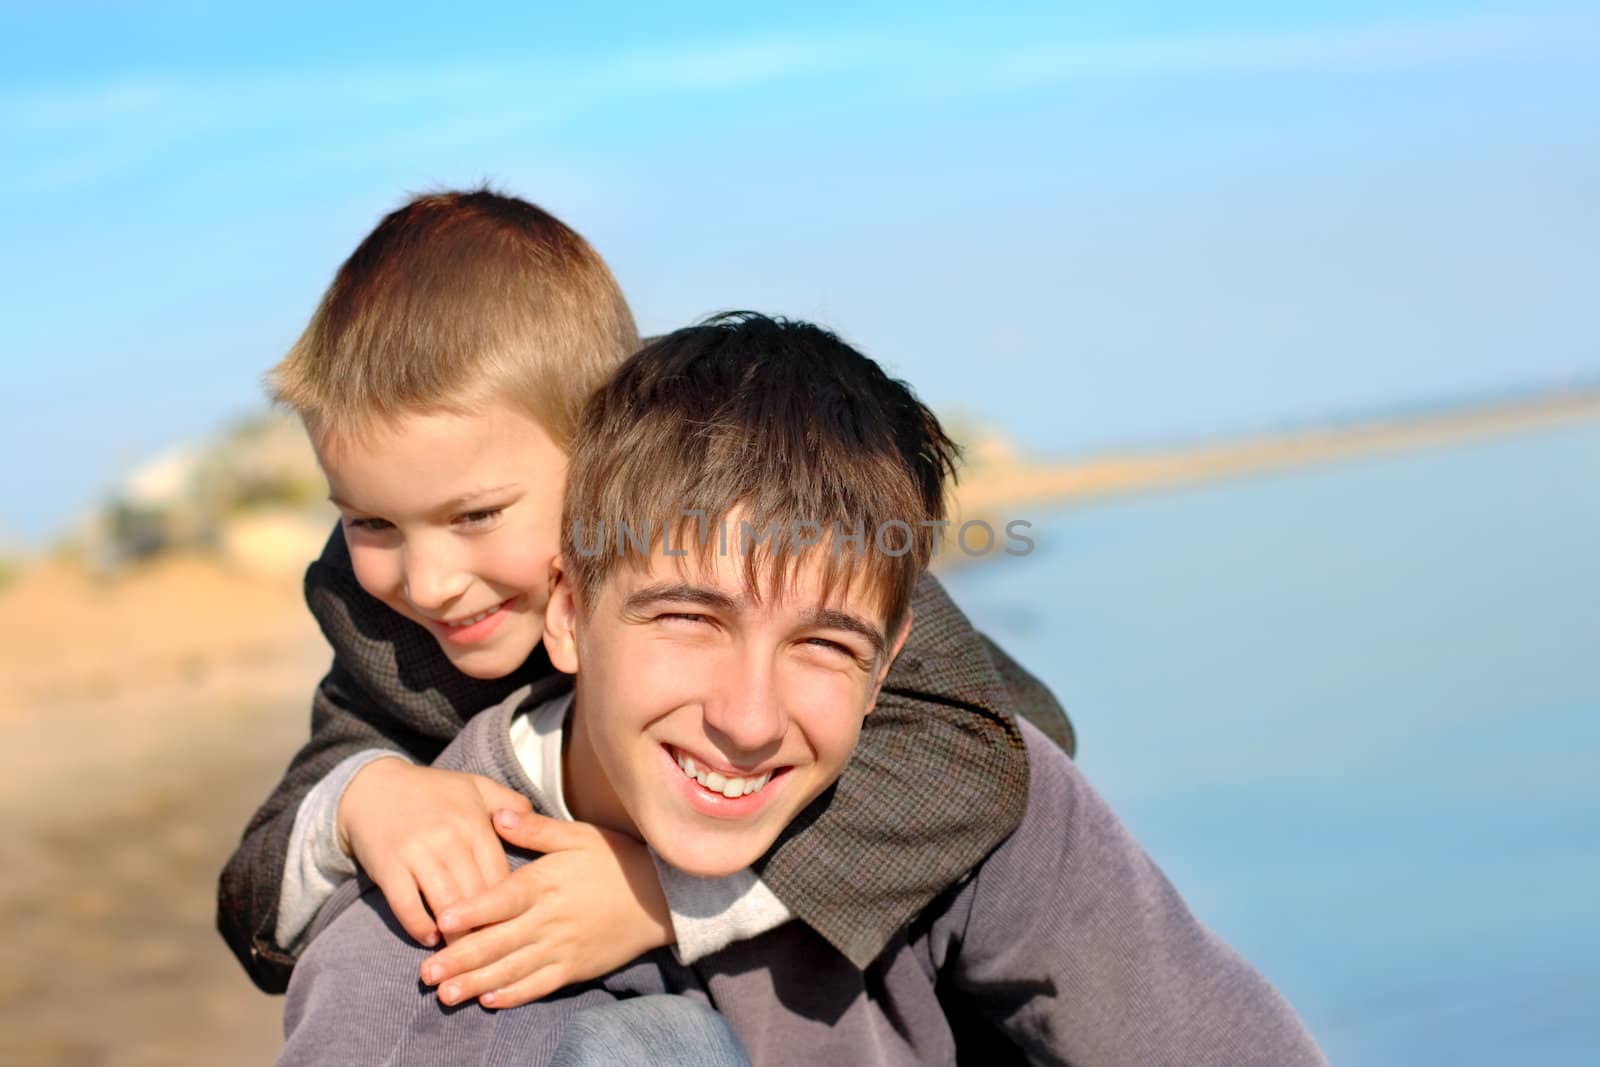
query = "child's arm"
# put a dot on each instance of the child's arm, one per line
(1026, 698)
(251, 883)
(421, 834)
(389, 689)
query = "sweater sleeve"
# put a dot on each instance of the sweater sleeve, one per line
(316, 864)
(342, 725)
(1071, 942)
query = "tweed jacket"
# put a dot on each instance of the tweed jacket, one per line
(939, 778)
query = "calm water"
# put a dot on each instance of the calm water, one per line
(1355, 715)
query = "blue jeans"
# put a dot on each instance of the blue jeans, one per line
(662, 1030)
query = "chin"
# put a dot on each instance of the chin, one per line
(704, 870)
(710, 863)
(483, 670)
(487, 665)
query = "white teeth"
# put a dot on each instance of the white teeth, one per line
(731, 788)
(476, 618)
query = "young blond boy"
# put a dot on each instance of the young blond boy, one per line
(700, 659)
(441, 380)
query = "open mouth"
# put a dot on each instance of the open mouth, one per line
(730, 786)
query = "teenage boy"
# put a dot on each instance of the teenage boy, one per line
(440, 381)
(722, 671)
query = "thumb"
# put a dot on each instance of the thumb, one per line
(537, 833)
(496, 796)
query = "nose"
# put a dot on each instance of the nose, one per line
(746, 716)
(433, 577)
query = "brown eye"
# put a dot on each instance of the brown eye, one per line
(481, 517)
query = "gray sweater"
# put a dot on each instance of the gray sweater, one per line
(1066, 943)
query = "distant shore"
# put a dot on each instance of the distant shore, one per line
(993, 486)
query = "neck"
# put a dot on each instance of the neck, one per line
(589, 795)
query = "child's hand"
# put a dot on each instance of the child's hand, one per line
(423, 833)
(589, 905)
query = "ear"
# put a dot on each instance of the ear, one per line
(561, 621)
(895, 646)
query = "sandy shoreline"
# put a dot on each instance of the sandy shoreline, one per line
(991, 488)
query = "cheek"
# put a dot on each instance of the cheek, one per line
(826, 708)
(641, 682)
(523, 564)
(377, 570)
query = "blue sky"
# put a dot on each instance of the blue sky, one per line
(1097, 227)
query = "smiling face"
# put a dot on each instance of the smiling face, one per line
(452, 520)
(705, 719)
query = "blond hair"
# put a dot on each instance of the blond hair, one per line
(455, 301)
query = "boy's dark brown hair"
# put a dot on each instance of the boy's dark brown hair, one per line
(767, 438)
(454, 301)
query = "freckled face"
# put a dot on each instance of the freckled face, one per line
(704, 720)
(452, 520)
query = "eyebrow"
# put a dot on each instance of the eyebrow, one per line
(684, 593)
(455, 503)
(680, 592)
(843, 620)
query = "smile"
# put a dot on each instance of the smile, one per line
(729, 786)
(461, 624)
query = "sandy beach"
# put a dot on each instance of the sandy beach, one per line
(140, 724)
